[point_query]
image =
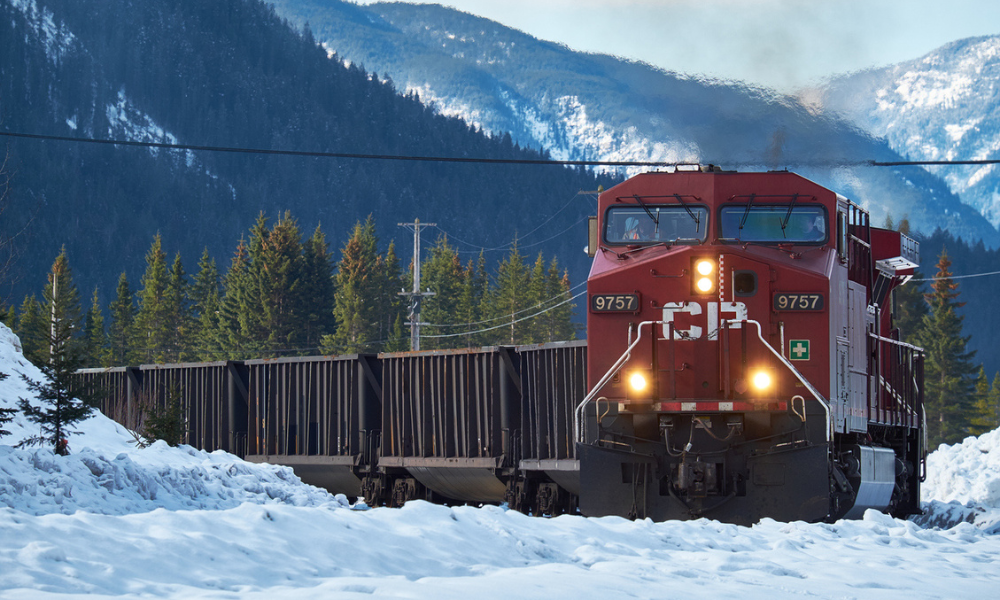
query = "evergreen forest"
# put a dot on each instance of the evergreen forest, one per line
(283, 293)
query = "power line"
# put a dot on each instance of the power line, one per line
(464, 159)
(509, 323)
(350, 155)
(542, 303)
(922, 163)
(958, 276)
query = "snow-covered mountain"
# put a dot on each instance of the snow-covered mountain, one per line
(589, 106)
(942, 106)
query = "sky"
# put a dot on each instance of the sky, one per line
(112, 520)
(782, 44)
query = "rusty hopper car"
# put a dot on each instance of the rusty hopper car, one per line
(742, 360)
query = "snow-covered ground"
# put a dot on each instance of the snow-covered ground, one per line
(111, 520)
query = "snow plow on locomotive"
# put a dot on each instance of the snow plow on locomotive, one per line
(742, 361)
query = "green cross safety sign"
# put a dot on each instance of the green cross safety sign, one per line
(798, 349)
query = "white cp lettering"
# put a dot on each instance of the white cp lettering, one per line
(732, 311)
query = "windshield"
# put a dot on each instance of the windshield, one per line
(656, 224)
(775, 224)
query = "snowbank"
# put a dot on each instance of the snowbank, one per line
(107, 473)
(115, 521)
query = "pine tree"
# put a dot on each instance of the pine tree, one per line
(33, 329)
(166, 422)
(61, 402)
(205, 284)
(358, 288)
(6, 414)
(279, 271)
(949, 374)
(537, 302)
(979, 422)
(95, 337)
(121, 329)
(442, 274)
(180, 318)
(507, 301)
(230, 341)
(987, 413)
(391, 311)
(993, 400)
(558, 319)
(475, 286)
(152, 322)
(317, 290)
(250, 294)
(205, 300)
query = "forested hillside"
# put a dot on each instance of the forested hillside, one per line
(230, 73)
(582, 105)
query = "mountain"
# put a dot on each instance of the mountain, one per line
(942, 106)
(578, 105)
(232, 74)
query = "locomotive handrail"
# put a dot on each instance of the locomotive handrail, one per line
(812, 389)
(578, 413)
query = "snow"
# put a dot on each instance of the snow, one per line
(115, 521)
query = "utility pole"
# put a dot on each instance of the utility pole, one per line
(416, 294)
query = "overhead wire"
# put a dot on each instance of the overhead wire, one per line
(508, 323)
(462, 159)
(542, 303)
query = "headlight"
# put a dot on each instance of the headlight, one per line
(704, 275)
(761, 380)
(637, 381)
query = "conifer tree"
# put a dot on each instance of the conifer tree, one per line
(391, 304)
(121, 329)
(537, 302)
(179, 314)
(152, 322)
(949, 374)
(442, 274)
(987, 411)
(6, 414)
(255, 335)
(95, 337)
(279, 271)
(358, 288)
(205, 284)
(205, 303)
(475, 287)
(317, 290)
(61, 402)
(33, 329)
(230, 341)
(558, 319)
(507, 301)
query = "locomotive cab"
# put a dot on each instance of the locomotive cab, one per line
(742, 362)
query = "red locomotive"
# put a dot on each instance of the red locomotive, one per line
(742, 360)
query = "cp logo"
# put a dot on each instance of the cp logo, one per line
(733, 311)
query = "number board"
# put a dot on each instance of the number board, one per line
(785, 301)
(614, 303)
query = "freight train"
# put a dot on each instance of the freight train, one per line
(740, 363)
